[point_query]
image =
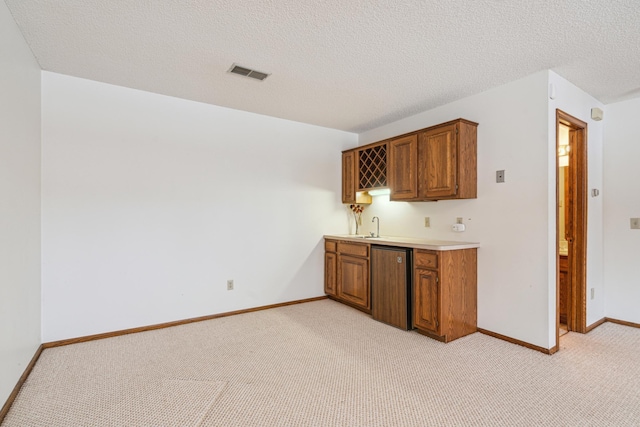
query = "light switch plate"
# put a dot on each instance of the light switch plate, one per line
(427, 221)
(635, 223)
(500, 176)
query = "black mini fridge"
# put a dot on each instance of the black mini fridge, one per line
(391, 272)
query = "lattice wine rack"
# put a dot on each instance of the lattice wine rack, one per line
(373, 167)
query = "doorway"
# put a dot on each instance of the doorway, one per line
(571, 228)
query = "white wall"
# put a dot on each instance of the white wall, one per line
(19, 204)
(150, 203)
(621, 202)
(510, 220)
(576, 102)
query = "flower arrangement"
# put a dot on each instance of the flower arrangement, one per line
(357, 214)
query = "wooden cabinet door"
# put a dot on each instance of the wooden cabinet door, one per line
(425, 297)
(330, 273)
(349, 177)
(402, 168)
(353, 281)
(438, 162)
(564, 289)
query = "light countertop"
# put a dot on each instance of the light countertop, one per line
(406, 242)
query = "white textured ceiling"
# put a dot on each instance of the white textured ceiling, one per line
(345, 64)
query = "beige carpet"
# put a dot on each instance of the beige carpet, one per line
(325, 364)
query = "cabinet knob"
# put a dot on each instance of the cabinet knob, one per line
(399, 260)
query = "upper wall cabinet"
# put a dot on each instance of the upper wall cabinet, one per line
(349, 177)
(403, 170)
(434, 163)
(363, 169)
(438, 160)
(372, 167)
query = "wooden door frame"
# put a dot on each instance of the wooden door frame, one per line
(576, 216)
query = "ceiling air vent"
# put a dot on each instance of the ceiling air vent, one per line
(248, 72)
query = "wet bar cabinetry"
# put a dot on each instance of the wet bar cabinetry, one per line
(346, 276)
(363, 169)
(443, 299)
(445, 293)
(349, 177)
(434, 163)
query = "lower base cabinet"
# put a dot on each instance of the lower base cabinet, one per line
(445, 293)
(444, 290)
(347, 273)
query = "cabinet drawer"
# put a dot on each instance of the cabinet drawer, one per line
(355, 249)
(330, 245)
(425, 259)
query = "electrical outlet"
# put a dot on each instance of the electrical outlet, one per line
(458, 227)
(635, 223)
(500, 176)
(229, 285)
(427, 221)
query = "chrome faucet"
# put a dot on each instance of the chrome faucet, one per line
(377, 228)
